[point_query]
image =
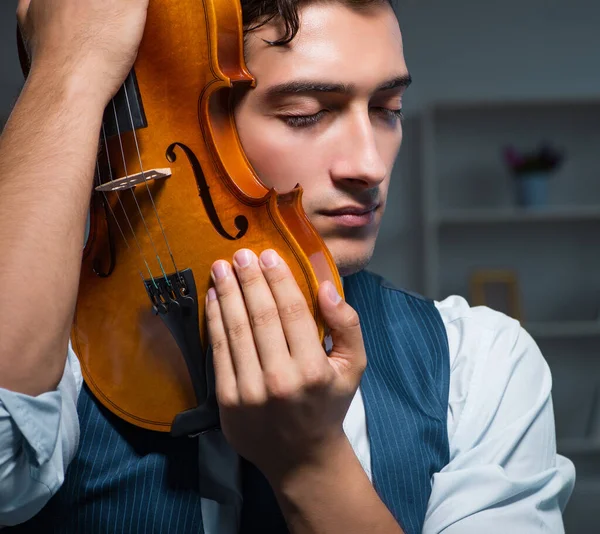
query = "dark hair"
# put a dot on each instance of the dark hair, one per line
(257, 13)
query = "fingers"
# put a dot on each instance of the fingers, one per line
(297, 322)
(234, 327)
(265, 339)
(262, 311)
(225, 380)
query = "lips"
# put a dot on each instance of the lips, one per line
(350, 210)
(352, 216)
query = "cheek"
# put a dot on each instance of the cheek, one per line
(279, 161)
(389, 146)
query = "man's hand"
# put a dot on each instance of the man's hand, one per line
(282, 399)
(95, 42)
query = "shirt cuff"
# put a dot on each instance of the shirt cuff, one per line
(38, 439)
(26, 414)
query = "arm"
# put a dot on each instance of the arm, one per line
(81, 52)
(47, 154)
(504, 474)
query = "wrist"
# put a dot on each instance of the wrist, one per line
(72, 88)
(325, 465)
(333, 496)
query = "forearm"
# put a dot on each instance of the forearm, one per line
(335, 497)
(47, 159)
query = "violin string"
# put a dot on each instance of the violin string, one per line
(99, 182)
(134, 197)
(118, 194)
(137, 147)
(114, 214)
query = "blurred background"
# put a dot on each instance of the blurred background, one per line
(496, 193)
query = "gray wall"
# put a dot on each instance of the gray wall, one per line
(468, 49)
(10, 72)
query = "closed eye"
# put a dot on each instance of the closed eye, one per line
(303, 121)
(390, 114)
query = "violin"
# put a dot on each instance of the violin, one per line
(173, 193)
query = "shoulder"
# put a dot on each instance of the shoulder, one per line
(497, 370)
(471, 329)
(500, 428)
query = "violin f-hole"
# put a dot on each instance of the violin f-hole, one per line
(240, 222)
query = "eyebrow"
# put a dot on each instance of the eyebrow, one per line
(309, 86)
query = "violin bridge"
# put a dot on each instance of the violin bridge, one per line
(128, 182)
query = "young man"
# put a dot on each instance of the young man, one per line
(450, 427)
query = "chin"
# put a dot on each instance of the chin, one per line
(350, 258)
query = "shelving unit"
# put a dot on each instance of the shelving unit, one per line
(471, 222)
(467, 200)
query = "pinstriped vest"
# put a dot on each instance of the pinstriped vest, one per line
(128, 480)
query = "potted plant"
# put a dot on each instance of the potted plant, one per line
(532, 170)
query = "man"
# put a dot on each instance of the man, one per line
(451, 429)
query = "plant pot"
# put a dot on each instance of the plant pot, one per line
(532, 190)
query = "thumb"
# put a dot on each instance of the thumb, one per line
(344, 325)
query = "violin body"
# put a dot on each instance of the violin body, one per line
(172, 197)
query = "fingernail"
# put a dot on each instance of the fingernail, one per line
(269, 258)
(243, 257)
(220, 269)
(212, 294)
(333, 294)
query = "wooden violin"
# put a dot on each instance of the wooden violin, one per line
(174, 192)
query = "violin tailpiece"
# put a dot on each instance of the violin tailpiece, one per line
(175, 300)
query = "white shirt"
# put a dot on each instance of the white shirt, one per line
(503, 476)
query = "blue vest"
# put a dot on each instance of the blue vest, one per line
(129, 480)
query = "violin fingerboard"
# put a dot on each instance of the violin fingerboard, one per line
(125, 112)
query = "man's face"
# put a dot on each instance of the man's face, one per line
(325, 114)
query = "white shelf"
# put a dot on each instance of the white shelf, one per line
(568, 446)
(558, 329)
(516, 215)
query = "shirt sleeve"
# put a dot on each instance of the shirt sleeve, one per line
(38, 439)
(504, 474)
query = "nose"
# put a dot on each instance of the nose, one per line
(357, 161)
